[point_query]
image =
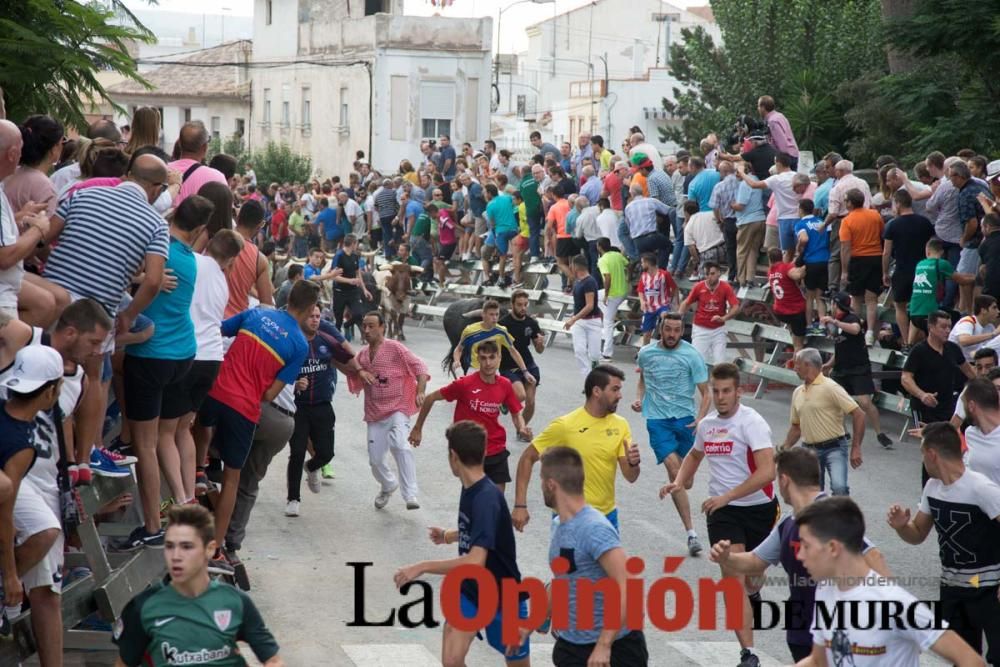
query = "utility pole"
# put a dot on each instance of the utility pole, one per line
(668, 19)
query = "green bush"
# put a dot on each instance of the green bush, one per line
(276, 163)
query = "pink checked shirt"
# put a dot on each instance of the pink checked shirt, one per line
(395, 388)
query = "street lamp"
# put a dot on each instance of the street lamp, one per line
(514, 4)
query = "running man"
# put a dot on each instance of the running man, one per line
(191, 618)
(395, 394)
(716, 304)
(831, 546)
(742, 508)
(602, 438)
(963, 506)
(479, 397)
(799, 485)
(485, 539)
(669, 371)
(464, 355)
(526, 332)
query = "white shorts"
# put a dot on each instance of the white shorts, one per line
(33, 513)
(710, 343)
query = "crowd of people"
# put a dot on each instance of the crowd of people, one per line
(149, 280)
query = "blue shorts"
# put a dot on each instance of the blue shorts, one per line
(233, 432)
(786, 233)
(515, 375)
(612, 517)
(649, 320)
(670, 436)
(493, 630)
(503, 240)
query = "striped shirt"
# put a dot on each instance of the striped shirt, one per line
(661, 187)
(386, 205)
(723, 195)
(640, 215)
(106, 236)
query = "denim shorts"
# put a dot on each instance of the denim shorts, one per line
(786, 233)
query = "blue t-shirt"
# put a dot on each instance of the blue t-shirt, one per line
(580, 289)
(413, 210)
(671, 377)
(308, 271)
(327, 221)
(500, 211)
(484, 521)
(324, 348)
(173, 337)
(477, 202)
(448, 153)
(752, 201)
(817, 250)
(15, 435)
(582, 541)
(701, 188)
(821, 197)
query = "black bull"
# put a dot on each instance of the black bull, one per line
(455, 322)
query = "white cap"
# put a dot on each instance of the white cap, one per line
(992, 170)
(34, 366)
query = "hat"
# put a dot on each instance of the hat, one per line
(638, 158)
(842, 300)
(34, 366)
(992, 170)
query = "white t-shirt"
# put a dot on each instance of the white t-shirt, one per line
(10, 279)
(984, 452)
(703, 232)
(607, 222)
(728, 445)
(785, 199)
(894, 646)
(969, 326)
(208, 307)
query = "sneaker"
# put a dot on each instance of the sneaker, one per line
(120, 446)
(382, 499)
(884, 440)
(870, 338)
(138, 539)
(239, 569)
(73, 471)
(522, 438)
(748, 659)
(201, 483)
(84, 475)
(694, 546)
(101, 464)
(292, 508)
(312, 480)
(119, 459)
(815, 331)
(327, 471)
(221, 565)
(412, 504)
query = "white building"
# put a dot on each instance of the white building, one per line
(331, 77)
(211, 85)
(601, 68)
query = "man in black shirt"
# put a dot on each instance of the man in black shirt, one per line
(526, 333)
(760, 156)
(934, 370)
(989, 253)
(906, 235)
(587, 322)
(348, 286)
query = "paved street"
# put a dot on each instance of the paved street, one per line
(306, 592)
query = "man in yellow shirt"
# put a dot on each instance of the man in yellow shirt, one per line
(601, 154)
(602, 438)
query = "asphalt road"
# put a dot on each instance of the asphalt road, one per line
(307, 592)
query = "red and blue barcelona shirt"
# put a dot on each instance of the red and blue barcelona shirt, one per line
(269, 346)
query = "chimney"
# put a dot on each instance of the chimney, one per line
(638, 59)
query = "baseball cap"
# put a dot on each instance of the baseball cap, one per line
(992, 170)
(842, 300)
(34, 366)
(638, 158)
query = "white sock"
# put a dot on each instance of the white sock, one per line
(692, 533)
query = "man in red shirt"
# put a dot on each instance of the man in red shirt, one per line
(716, 303)
(480, 397)
(279, 225)
(789, 304)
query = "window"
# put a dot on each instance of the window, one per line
(286, 106)
(267, 12)
(343, 108)
(241, 127)
(437, 108)
(472, 109)
(216, 126)
(267, 106)
(187, 114)
(306, 110)
(399, 107)
(375, 7)
(160, 111)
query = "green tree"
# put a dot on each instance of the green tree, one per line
(797, 51)
(52, 50)
(276, 163)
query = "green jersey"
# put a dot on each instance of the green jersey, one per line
(614, 264)
(928, 275)
(421, 226)
(529, 195)
(161, 627)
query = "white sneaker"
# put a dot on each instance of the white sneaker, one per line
(292, 508)
(412, 504)
(382, 499)
(313, 481)
(870, 338)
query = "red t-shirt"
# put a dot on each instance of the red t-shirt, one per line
(711, 303)
(480, 402)
(788, 299)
